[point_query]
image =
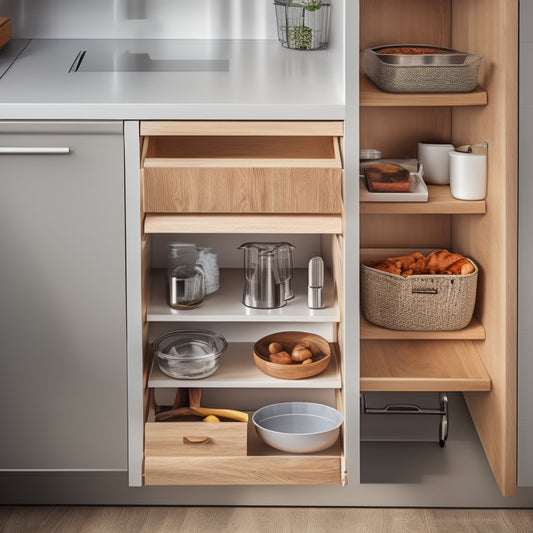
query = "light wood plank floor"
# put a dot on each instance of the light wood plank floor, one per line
(89, 519)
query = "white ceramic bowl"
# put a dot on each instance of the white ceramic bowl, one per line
(298, 427)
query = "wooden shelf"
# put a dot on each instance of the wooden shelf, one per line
(371, 96)
(440, 201)
(406, 365)
(238, 370)
(262, 465)
(474, 331)
(226, 304)
(216, 223)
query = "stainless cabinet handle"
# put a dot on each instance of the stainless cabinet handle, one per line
(34, 150)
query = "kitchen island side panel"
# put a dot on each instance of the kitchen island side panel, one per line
(525, 249)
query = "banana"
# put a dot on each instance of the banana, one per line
(226, 413)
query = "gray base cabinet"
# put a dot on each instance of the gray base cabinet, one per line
(62, 294)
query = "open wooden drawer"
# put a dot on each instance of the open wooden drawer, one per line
(241, 167)
(234, 458)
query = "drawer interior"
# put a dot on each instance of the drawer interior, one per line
(244, 147)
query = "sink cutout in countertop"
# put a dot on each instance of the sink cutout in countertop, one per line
(142, 62)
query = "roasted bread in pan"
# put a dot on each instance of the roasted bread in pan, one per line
(411, 50)
(386, 177)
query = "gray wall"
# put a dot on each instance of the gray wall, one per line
(525, 281)
(141, 19)
(158, 19)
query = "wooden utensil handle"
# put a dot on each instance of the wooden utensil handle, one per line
(195, 396)
(173, 413)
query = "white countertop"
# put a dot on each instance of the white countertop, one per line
(249, 79)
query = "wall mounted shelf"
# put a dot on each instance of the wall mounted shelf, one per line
(423, 366)
(474, 331)
(372, 96)
(440, 202)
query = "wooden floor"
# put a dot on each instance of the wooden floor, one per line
(88, 519)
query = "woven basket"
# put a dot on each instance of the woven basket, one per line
(418, 302)
(452, 78)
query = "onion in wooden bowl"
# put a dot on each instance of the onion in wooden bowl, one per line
(319, 347)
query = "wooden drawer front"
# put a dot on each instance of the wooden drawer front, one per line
(195, 439)
(251, 470)
(242, 174)
(249, 462)
(242, 190)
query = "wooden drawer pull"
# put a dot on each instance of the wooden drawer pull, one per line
(197, 440)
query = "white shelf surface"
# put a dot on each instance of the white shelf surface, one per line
(238, 370)
(226, 304)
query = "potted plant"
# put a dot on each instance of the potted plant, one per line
(302, 25)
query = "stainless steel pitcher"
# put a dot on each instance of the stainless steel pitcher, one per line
(266, 282)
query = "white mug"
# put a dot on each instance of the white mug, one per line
(468, 175)
(435, 161)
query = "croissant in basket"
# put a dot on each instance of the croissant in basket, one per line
(439, 262)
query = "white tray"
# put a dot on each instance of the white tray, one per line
(418, 192)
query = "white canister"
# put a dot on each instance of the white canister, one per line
(468, 175)
(435, 161)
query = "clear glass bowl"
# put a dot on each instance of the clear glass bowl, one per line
(189, 354)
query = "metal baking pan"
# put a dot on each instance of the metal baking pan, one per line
(442, 56)
(446, 71)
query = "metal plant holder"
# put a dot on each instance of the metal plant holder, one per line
(303, 25)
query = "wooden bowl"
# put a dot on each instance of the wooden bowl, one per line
(288, 339)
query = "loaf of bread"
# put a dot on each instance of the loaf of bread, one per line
(439, 262)
(386, 177)
(411, 50)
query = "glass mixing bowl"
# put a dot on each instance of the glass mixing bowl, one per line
(189, 354)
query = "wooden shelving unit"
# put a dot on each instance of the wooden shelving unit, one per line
(222, 179)
(482, 357)
(431, 365)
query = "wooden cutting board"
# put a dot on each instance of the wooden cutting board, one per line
(5, 31)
